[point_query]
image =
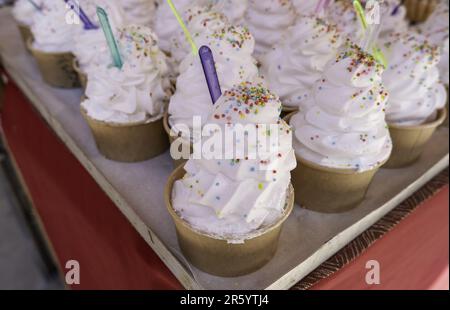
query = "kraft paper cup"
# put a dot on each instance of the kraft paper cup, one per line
(172, 139)
(215, 255)
(419, 10)
(128, 142)
(330, 190)
(25, 33)
(446, 122)
(56, 68)
(286, 110)
(410, 141)
(288, 117)
(82, 77)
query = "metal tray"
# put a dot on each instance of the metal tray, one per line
(308, 238)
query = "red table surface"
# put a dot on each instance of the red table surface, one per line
(82, 223)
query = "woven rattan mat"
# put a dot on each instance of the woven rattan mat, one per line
(361, 243)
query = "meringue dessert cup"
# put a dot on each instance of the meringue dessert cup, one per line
(419, 10)
(219, 255)
(56, 67)
(229, 213)
(52, 44)
(417, 98)
(340, 135)
(125, 104)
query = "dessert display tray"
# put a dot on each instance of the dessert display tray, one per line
(308, 238)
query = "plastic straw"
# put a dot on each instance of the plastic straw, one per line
(183, 26)
(209, 68)
(106, 26)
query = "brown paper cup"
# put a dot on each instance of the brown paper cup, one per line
(409, 142)
(288, 110)
(419, 10)
(82, 77)
(287, 117)
(56, 68)
(447, 107)
(329, 190)
(167, 129)
(128, 142)
(25, 33)
(215, 255)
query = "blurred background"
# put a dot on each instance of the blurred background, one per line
(25, 262)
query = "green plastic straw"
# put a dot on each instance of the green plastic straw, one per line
(183, 26)
(371, 34)
(106, 26)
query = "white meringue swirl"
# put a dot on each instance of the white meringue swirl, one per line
(343, 123)
(55, 27)
(139, 12)
(201, 21)
(412, 79)
(90, 46)
(436, 29)
(138, 91)
(234, 198)
(165, 25)
(292, 67)
(232, 48)
(234, 10)
(24, 12)
(267, 20)
(305, 7)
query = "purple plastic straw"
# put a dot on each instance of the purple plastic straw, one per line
(209, 68)
(397, 8)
